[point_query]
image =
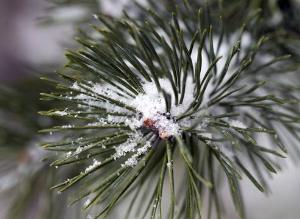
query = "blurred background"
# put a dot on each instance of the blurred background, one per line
(33, 36)
(25, 42)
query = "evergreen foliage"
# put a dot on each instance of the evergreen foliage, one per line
(225, 78)
(224, 107)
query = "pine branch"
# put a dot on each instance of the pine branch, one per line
(145, 99)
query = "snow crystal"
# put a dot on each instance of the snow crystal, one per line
(128, 146)
(131, 145)
(151, 105)
(124, 148)
(61, 113)
(67, 126)
(76, 86)
(148, 105)
(87, 202)
(115, 119)
(79, 150)
(133, 160)
(166, 127)
(68, 154)
(93, 166)
(150, 113)
(143, 149)
(133, 123)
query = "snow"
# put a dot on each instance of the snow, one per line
(89, 98)
(150, 113)
(166, 127)
(87, 202)
(169, 164)
(136, 144)
(129, 145)
(92, 166)
(67, 126)
(60, 113)
(133, 123)
(149, 103)
(123, 149)
(79, 150)
(133, 160)
(68, 154)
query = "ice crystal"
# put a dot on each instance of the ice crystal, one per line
(93, 166)
(133, 160)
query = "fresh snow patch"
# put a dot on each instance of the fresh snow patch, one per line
(149, 103)
(150, 113)
(129, 145)
(133, 160)
(93, 166)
